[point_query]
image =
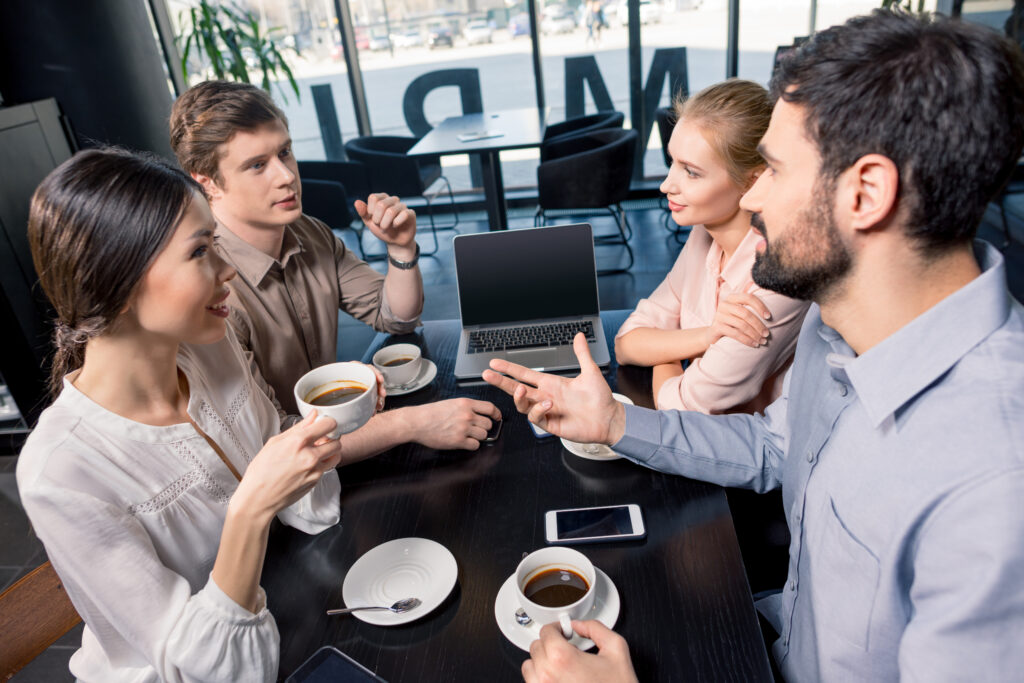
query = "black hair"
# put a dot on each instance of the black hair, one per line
(943, 99)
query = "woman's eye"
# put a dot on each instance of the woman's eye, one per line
(200, 251)
(256, 165)
(285, 153)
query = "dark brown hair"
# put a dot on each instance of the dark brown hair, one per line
(733, 116)
(95, 225)
(208, 115)
(943, 99)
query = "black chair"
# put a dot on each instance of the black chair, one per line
(666, 119)
(327, 200)
(328, 188)
(590, 171)
(1014, 186)
(578, 126)
(390, 169)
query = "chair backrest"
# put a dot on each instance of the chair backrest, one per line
(592, 170)
(351, 174)
(327, 200)
(34, 613)
(584, 124)
(666, 118)
(388, 167)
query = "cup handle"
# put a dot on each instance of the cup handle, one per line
(566, 623)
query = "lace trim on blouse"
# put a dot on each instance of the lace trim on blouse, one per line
(168, 495)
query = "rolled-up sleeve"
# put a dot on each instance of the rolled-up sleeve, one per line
(361, 293)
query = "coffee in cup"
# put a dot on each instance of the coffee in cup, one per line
(399, 363)
(346, 392)
(556, 584)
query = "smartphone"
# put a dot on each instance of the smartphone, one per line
(329, 665)
(493, 432)
(538, 432)
(594, 525)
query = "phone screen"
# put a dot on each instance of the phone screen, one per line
(328, 665)
(609, 521)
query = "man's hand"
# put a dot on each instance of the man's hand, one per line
(552, 658)
(581, 409)
(456, 423)
(391, 221)
(740, 316)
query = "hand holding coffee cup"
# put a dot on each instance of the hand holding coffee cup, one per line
(399, 363)
(556, 585)
(346, 392)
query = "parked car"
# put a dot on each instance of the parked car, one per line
(476, 32)
(407, 39)
(378, 42)
(650, 12)
(557, 19)
(439, 36)
(519, 25)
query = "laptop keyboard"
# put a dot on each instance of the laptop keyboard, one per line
(528, 337)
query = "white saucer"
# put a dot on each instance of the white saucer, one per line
(428, 371)
(605, 610)
(402, 568)
(602, 452)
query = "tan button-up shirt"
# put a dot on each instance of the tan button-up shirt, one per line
(285, 311)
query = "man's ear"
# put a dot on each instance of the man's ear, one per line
(868, 191)
(210, 187)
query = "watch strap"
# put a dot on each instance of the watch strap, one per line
(405, 265)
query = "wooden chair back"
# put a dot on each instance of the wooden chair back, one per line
(34, 613)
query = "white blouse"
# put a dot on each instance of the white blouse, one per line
(131, 517)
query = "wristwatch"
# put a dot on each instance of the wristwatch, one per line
(405, 265)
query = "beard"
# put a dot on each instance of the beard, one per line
(809, 259)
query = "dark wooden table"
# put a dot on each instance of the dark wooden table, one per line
(686, 611)
(519, 128)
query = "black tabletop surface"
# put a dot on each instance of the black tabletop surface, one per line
(518, 128)
(686, 609)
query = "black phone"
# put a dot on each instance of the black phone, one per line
(330, 665)
(493, 432)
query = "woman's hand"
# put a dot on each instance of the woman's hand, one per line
(740, 316)
(288, 466)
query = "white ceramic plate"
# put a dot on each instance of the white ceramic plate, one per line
(428, 371)
(606, 610)
(402, 568)
(596, 451)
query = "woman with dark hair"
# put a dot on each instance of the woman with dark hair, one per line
(153, 477)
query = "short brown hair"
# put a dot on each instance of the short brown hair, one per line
(209, 114)
(734, 116)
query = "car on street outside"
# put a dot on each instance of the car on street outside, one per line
(519, 25)
(650, 12)
(407, 39)
(439, 36)
(557, 19)
(476, 32)
(378, 42)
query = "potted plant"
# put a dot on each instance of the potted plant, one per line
(229, 42)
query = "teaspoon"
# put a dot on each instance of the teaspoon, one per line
(400, 606)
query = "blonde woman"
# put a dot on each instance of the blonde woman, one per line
(738, 338)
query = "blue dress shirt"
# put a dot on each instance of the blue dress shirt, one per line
(902, 472)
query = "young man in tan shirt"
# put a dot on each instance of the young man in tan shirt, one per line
(294, 274)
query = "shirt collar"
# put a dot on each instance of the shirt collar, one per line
(737, 271)
(891, 373)
(251, 263)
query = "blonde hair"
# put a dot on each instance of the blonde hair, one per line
(733, 116)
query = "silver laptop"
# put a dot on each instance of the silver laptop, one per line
(523, 295)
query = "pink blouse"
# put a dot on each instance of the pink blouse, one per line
(730, 376)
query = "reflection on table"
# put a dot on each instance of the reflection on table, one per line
(686, 607)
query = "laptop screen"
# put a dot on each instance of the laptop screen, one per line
(516, 275)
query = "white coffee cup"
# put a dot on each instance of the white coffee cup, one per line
(561, 559)
(353, 413)
(403, 373)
